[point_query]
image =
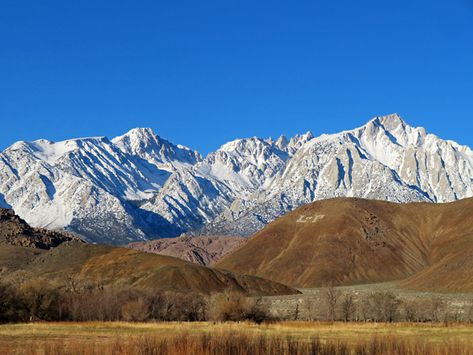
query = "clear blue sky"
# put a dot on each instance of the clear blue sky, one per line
(203, 72)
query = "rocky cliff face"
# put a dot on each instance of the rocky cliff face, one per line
(140, 186)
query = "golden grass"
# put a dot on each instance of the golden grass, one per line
(123, 338)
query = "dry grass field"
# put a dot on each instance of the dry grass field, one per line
(235, 338)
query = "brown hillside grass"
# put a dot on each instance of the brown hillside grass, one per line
(362, 241)
(106, 266)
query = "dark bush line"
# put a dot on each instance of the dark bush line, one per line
(36, 302)
(39, 301)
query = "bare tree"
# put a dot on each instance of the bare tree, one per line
(331, 297)
(469, 312)
(385, 306)
(348, 307)
(437, 310)
(310, 306)
(296, 312)
(411, 310)
(257, 311)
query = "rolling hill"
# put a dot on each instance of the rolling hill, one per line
(107, 266)
(39, 255)
(348, 241)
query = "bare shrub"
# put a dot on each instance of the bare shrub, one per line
(135, 310)
(182, 307)
(235, 307)
(311, 307)
(256, 311)
(411, 310)
(469, 312)
(364, 310)
(229, 307)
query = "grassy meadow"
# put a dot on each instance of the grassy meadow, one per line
(235, 338)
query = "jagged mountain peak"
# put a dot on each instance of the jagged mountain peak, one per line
(298, 141)
(145, 144)
(245, 145)
(139, 138)
(244, 164)
(281, 142)
(144, 136)
(390, 121)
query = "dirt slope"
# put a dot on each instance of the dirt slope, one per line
(352, 241)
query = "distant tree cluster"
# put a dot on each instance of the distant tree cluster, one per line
(335, 305)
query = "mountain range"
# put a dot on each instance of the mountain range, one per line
(139, 186)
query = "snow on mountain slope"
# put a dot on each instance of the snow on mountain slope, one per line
(46, 196)
(140, 186)
(385, 159)
(244, 164)
(145, 144)
(186, 202)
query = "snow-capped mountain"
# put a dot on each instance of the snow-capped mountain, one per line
(139, 186)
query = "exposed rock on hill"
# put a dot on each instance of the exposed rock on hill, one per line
(15, 231)
(200, 250)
